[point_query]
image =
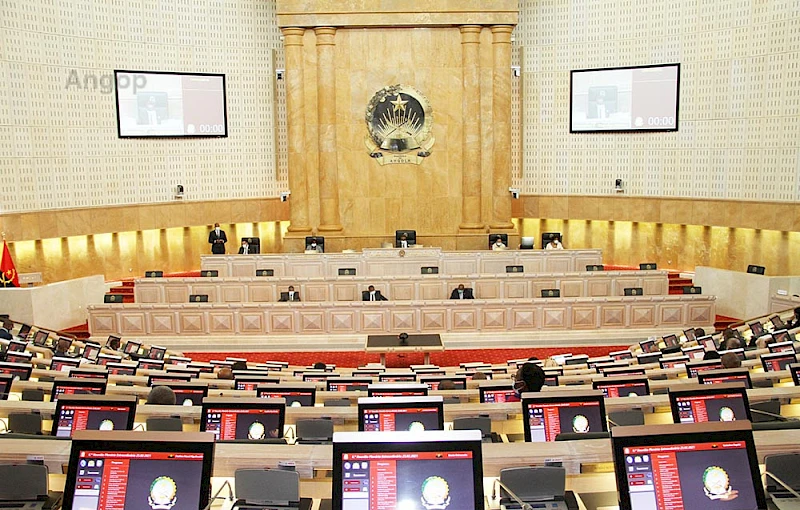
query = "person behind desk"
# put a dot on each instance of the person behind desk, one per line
(372, 295)
(498, 244)
(403, 242)
(313, 246)
(5, 331)
(161, 396)
(554, 244)
(529, 377)
(245, 248)
(217, 240)
(794, 322)
(461, 293)
(290, 295)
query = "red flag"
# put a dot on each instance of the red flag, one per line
(8, 273)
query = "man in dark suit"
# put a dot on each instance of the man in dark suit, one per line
(461, 293)
(5, 331)
(217, 240)
(245, 248)
(291, 295)
(372, 295)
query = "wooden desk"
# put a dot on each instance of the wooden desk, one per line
(384, 344)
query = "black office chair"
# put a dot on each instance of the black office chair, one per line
(25, 423)
(482, 423)
(33, 395)
(314, 431)
(164, 424)
(626, 418)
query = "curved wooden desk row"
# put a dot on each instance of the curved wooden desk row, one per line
(498, 412)
(400, 288)
(193, 319)
(228, 457)
(394, 262)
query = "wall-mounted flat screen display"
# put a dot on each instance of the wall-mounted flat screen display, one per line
(643, 98)
(158, 104)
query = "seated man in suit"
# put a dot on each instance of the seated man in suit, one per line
(245, 248)
(461, 293)
(498, 244)
(554, 244)
(291, 295)
(372, 295)
(313, 246)
(5, 331)
(403, 242)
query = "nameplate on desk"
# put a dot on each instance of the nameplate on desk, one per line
(347, 271)
(429, 270)
(514, 269)
(595, 267)
(209, 273)
(265, 272)
(154, 274)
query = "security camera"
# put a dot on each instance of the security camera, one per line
(514, 192)
(179, 191)
(285, 195)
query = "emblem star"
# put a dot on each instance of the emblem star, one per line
(399, 104)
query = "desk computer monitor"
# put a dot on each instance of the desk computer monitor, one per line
(23, 332)
(648, 345)
(690, 334)
(622, 371)
(726, 375)
(690, 466)
(433, 381)
(673, 362)
(319, 376)
(177, 369)
(205, 368)
(243, 419)
(578, 359)
(156, 352)
(151, 364)
(671, 341)
(794, 369)
(526, 243)
(295, 395)
(90, 351)
(716, 402)
(63, 344)
(604, 360)
(16, 346)
(620, 355)
(348, 383)
(78, 387)
(132, 347)
(6, 380)
(434, 470)
(697, 352)
(22, 371)
(19, 357)
(784, 346)
(188, 394)
(123, 469)
(698, 366)
(165, 379)
(251, 382)
(613, 387)
(121, 369)
(777, 322)
(60, 364)
(397, 390)
(88, 373)
(708, 342)
(738, 352)
(41, 337)
(548, 414)
(757, 328)
(777, 361)
(393, 377)
(496, 392)
(105, 359)
(600, 367)
(390, 414)
(649, 357)
(93, 412)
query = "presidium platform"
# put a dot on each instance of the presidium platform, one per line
(589, 307)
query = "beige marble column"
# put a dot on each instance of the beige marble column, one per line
(295, 106)
(501, 127)
(471, 114)
(326, 113)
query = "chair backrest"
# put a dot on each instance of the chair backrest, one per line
(25, 423)
(482, 423)
(626, 418)
(164, 424)
(314, 430)
(33, 395)
(337, 402)
(785, 466)
(768, 411)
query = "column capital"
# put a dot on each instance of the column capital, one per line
(293, 35)
(501, 34)
(470, 33)
(325, 35)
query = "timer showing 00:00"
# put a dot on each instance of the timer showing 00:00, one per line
(205, 129)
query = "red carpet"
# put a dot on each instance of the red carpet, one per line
(354, 359)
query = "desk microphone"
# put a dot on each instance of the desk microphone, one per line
(522, 504)
(216, 496)
(771, 415)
